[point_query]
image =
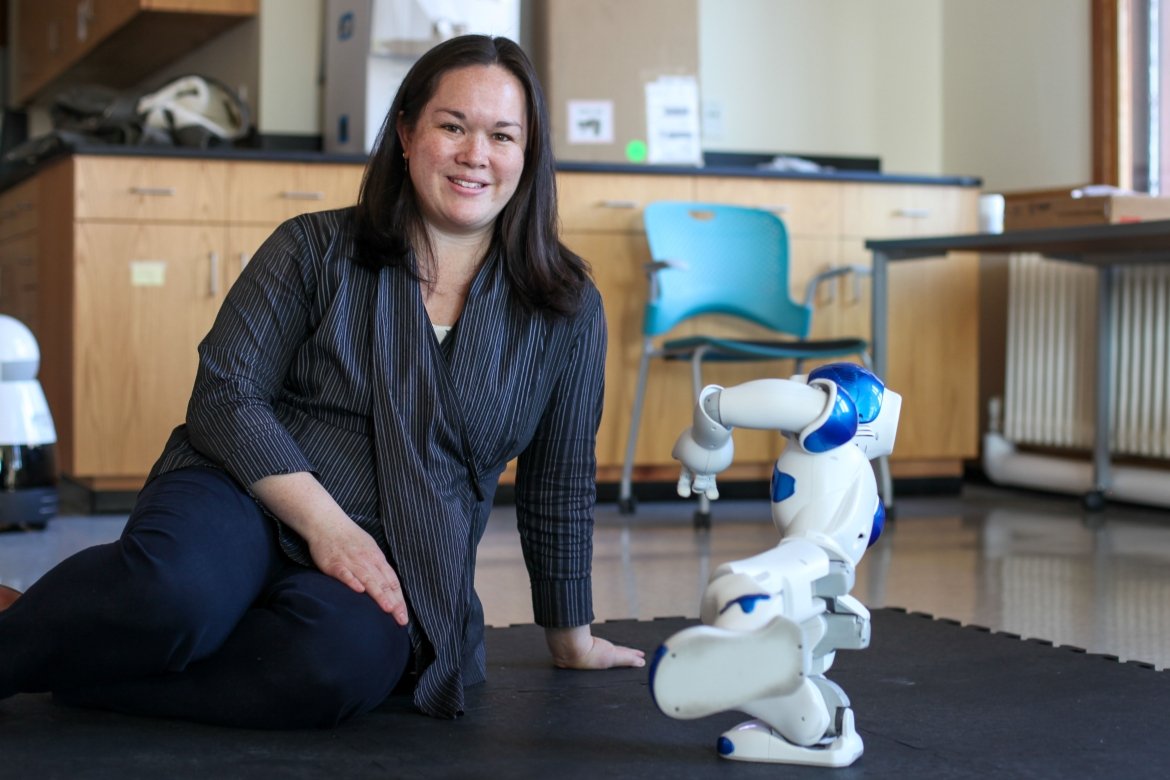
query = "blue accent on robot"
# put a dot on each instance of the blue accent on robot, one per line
(783, 485)
(858, 383)
(658, 654)
(725, 746)
(879, 523)
(839, 428)
(746, 603)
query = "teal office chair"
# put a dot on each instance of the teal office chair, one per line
(717, 259)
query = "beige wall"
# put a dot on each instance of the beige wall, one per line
(1017, 88)
(994, 88)
(834, 77)
(291, 48)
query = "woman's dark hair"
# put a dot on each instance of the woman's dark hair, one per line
(544, 274)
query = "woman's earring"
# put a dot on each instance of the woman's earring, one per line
(405, 161)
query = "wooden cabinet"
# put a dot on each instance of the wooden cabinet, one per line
(19, 250)
(136, 255)
(119, 264)
(115, 43)
(260, 193)
(933, 320)
(933, 305)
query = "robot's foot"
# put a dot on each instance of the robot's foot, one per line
(703, 670)
(755, 741)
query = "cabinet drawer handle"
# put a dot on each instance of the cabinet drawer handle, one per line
(213, 262)
(918, 213)
(618, 204)
(165, 192)
(299, 195)
(17, 208)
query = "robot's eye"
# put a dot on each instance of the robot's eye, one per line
(746, 603)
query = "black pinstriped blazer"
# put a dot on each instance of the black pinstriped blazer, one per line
(316, 363)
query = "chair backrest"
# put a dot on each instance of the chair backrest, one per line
(723, 260)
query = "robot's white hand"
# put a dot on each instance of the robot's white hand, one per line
(700, 464)
(689, 482)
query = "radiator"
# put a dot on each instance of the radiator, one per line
(1050, 375)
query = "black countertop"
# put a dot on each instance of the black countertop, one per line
(763, 173)
(13, 172)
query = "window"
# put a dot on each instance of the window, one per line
(1131, 94)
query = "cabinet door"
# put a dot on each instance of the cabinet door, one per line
(269, 193)
(18, 209)
(146, 296)
(44, 43)
(902, 210)
(808, 208)
(139, 189)
(243, 241)
(18, 280)
(592, 202)
(117, 43)
(811, 212)
(933, 315)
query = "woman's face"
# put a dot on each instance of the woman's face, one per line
(466, 151)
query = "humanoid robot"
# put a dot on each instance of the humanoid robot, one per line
(772, 623)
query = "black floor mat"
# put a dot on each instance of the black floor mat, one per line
(932, 699)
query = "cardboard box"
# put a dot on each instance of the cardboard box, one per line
(597, 60)
(1058, 208)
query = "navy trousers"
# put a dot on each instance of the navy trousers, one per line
(195, 613)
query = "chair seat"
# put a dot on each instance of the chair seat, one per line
(778, 349)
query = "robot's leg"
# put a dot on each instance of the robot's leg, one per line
(812, 726)
(703, 670)
(756, 741)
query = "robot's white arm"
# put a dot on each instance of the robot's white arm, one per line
(832, 406)
(787, 405)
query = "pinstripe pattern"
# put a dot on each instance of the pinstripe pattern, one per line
(318, 364)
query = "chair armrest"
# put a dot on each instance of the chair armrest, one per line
(654, 266)
(832, 272)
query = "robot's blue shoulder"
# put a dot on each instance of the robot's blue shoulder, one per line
(859, 383)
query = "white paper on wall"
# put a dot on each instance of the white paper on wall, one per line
(672, 121)
(590, 121)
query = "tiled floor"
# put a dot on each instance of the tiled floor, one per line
(1012, 561)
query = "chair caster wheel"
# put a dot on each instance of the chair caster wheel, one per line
(627, 506)
(702, 520)
(1094, 500)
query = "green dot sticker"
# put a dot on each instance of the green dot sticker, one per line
(636, 151)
